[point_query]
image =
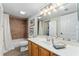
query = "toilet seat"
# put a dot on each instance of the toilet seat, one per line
(23, 43)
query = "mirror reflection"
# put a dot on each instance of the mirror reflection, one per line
(63, 22)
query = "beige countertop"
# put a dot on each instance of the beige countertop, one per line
(70, 50)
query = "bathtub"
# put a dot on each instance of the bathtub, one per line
(18, 42)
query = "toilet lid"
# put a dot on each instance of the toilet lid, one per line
(23, 43)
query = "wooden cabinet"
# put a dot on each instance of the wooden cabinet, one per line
(53, 54)
(36, 50)
(29, 47)
(43, 52)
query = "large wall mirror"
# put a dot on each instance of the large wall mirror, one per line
(43, 27)
(63, 22)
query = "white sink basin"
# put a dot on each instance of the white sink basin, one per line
(58, 44)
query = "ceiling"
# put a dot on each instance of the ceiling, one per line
(31, 9)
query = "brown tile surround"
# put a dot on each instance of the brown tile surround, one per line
(19, 27)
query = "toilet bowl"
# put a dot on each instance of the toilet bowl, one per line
(23, 46)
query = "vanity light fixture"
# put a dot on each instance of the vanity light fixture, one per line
(22, 12)
(51, 7)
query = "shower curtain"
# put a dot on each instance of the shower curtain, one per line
(1, 30)
(6, 33)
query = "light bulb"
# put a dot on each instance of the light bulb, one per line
(41, 12)
(49, 13)
(22, 12)
(45, 10)
(51, 7)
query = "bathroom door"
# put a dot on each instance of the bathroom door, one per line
(52, 28)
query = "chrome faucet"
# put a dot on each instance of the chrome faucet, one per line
(48, 39)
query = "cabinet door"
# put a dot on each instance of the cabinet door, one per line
(34, 49)
(43, 52)
(53, 54)
(29, 48)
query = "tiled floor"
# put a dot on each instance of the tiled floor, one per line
(16, 52)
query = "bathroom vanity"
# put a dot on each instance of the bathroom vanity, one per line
(37, 50)
(37, 47)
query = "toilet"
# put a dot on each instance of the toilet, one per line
(23, 46)
(21, 43)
